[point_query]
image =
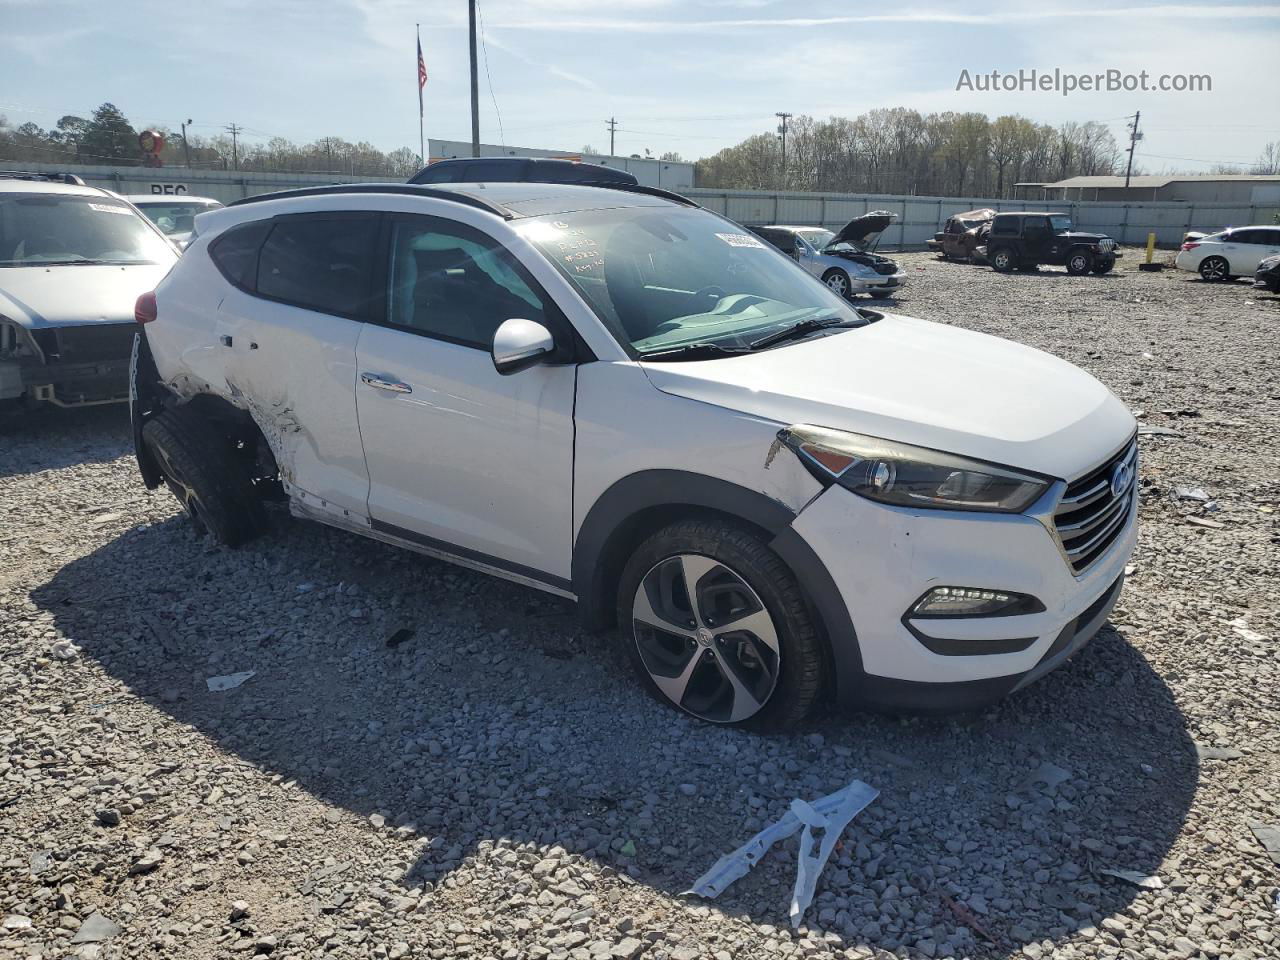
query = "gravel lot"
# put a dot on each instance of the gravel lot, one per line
(497, 785)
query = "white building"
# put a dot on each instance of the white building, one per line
(668, 174)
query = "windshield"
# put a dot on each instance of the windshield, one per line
(817, 238)
(174, 218)
(661, 278)
(44, 228)
(1060, 224)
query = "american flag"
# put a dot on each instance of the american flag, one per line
(422, 76)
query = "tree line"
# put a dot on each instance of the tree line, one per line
(901, 151)
(107, 137)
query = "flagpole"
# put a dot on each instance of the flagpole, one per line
(422, 143)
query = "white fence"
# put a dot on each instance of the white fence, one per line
(919, 218)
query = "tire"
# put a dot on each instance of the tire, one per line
(201, 471)
(1215, 269)
(1002, 260)
(1104, 266)
(1079, 262)
(688, 660)
(838, 281)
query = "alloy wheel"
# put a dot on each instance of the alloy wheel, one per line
(179, 487)
(705, 638)
(1079, 264)
(838, 284)
(1215, 268)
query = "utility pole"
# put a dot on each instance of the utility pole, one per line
(475, 85)
(783, 129)
(235, 145)
(1134, 137)
(613, 127)
(328, 155)
(186, 148)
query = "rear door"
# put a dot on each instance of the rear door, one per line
(462, 459)
(1248, 248)
(287, 330)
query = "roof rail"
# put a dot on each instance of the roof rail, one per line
(70, 178)
(409, 189)
(650, 191)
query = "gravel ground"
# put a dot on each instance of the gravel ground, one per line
(497, 785)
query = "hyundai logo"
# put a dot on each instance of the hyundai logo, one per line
(1121, 477)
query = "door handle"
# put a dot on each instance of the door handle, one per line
(382, 383)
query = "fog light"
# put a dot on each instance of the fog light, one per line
(974, 602)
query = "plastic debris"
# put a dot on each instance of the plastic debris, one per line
(1241, 628)
(65, 650)
(1201, 522)
(831, 814)
(1146, 881)
(1151, 430)
(1191, 493)
(229, 682)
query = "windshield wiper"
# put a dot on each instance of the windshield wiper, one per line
(695, 351)
(801, 328)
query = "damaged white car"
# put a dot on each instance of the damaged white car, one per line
(73, 260)
(620, 398)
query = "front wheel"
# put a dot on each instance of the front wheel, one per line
(201, 471)
(1079, 263)
(1002, 260)
(838, 281)
(1214, 269)
(716, 624)
(1104, 266)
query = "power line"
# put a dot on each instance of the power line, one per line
(502, 137)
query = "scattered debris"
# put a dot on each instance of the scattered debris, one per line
(1146, 881)
(1217, 753)
(1202, 522)
(399, 637)
(1191, 493)
(1241, 628)
(228, 682)
(966, 916)
(831, 814)
(65, 650)
(95, 928)
(1268, 835)
(39, 862)
(1151, 430)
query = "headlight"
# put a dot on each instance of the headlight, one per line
(907, 476)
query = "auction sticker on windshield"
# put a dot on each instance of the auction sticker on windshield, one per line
(109, 208)
(740, 240)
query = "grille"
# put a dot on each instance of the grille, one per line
(1107, 245)
(87, 343)
(1089, 517)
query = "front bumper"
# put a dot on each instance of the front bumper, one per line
(71, 366)
(884, 282)
(882, 559)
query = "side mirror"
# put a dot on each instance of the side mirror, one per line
(801, 249)
(518, 344)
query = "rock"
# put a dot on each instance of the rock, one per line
(109, 817)
(16, 921)
(147, 862)
(96, 928)
(688, 789)
(239, 910)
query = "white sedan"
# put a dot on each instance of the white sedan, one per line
(1231, 253)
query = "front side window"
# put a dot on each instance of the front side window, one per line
(1060, 224)
(47, 229)
(817, 239)
(456, 284)
(661, 278)
(320, 263)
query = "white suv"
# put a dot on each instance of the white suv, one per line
(618, 397)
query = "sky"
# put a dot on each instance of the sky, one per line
(691, 76)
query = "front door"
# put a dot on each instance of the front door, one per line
(1040, 242)
(461, 458)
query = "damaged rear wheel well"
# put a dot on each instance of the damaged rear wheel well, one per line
(240, 430)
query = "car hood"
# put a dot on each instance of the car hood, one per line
(861, 232)
(56, 296)
(1082, 235)
(922, 383)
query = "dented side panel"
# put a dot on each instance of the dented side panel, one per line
(625, 426)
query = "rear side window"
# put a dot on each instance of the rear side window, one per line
(492, 171)
(1006, 225)
(235, 253)
(320, 263)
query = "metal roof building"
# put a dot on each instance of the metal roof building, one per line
(1199, 188)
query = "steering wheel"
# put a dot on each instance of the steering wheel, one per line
(711, 291)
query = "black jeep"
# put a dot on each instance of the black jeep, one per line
(1024, 241)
